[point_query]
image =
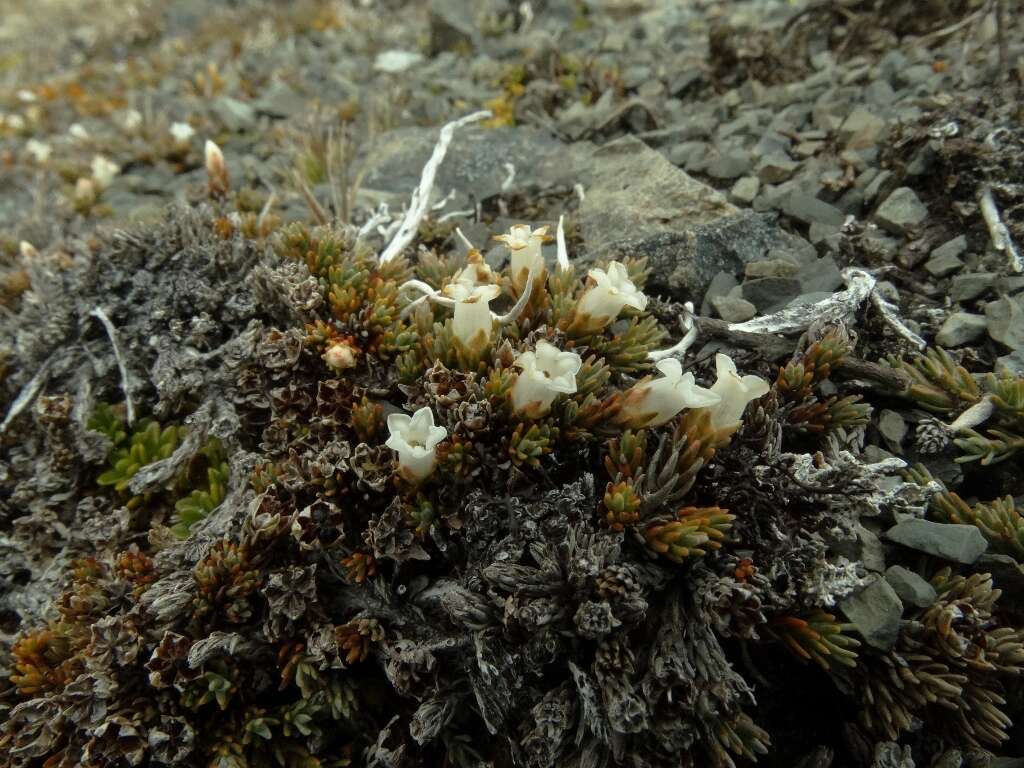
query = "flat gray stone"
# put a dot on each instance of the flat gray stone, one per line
(971, 285)
(911, 588)
(1006, 321)
(810, 210)
(958, 543)
(768, 293)
(892, 426)
(730, 164)
(942, 265)
(772, 268)
(721, 284)
(733, 309)
(902, 212)
(775, 169)
(235, 115)
(638, 203)
(861, 129)
(745, 190)
(821, 275)
(961, 328)
(875, 611)
(956, 247)
(280, 100)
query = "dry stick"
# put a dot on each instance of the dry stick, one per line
(997, 230)
(108, 326)
(27, 395)
(420, 200)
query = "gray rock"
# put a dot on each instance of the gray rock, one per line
(772, 268)
(769, 293)
(689, 153)
(775, 169)
(877, 183)
(961, 328)
(810, 210)
(730, 164)
(875, 611)
(821, 275)
(452, 26)
(940, 265)
(861, 128)
(1006, 321)
(911, 588)
(1013, 361)
(235, 115)
(956, 247)
(638, 203)
(745, 190)
(958, 543)
(880, 93)
(733, 309)
(901, 212)
(280, 100)
(971, 285)
(721, 284)
(892, 426)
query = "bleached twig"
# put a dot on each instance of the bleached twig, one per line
(420, 200)
(891, 315)
(997, 230)
(507, 183)
(108, 326)
(974, 416)
(377, 218)
(463, 239)
(679, 348)
(27, 395)
(561, 252)
(524, 297)
(578, 189)
(453, 214)
(838, 306)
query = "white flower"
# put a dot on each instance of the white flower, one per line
(40, 152)
(655, 401)
(472, 292)
(181, 132)
(609, 292)
(104, 171)
(216, 170)
(415, 438)
(735, 392)
(526, 251)
(544, 374)
(78, 131)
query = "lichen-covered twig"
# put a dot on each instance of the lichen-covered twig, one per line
(420, 200)
(27, 394)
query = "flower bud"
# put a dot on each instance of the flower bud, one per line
(340, 356)
(216, 170)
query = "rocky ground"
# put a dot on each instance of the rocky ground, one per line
(765, 157)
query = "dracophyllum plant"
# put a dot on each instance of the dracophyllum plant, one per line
(525, 245)
(655, 401)
(473, 290)
(608, 293)
(734, 392)
(415, 438)
(544, 374)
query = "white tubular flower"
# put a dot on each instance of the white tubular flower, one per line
(472, 292)
(735, 392)
(544, 374)
(103, 171)
(609, 292)
(656, 401)
(415, 438)
(526, 251)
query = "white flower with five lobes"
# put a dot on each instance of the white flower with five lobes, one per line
(544, 374)
(415, 438)
(525, 245)
(608, 293)
(734, 391)
(472, 291)
(656, 401)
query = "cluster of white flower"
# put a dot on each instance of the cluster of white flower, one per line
(546, 371)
